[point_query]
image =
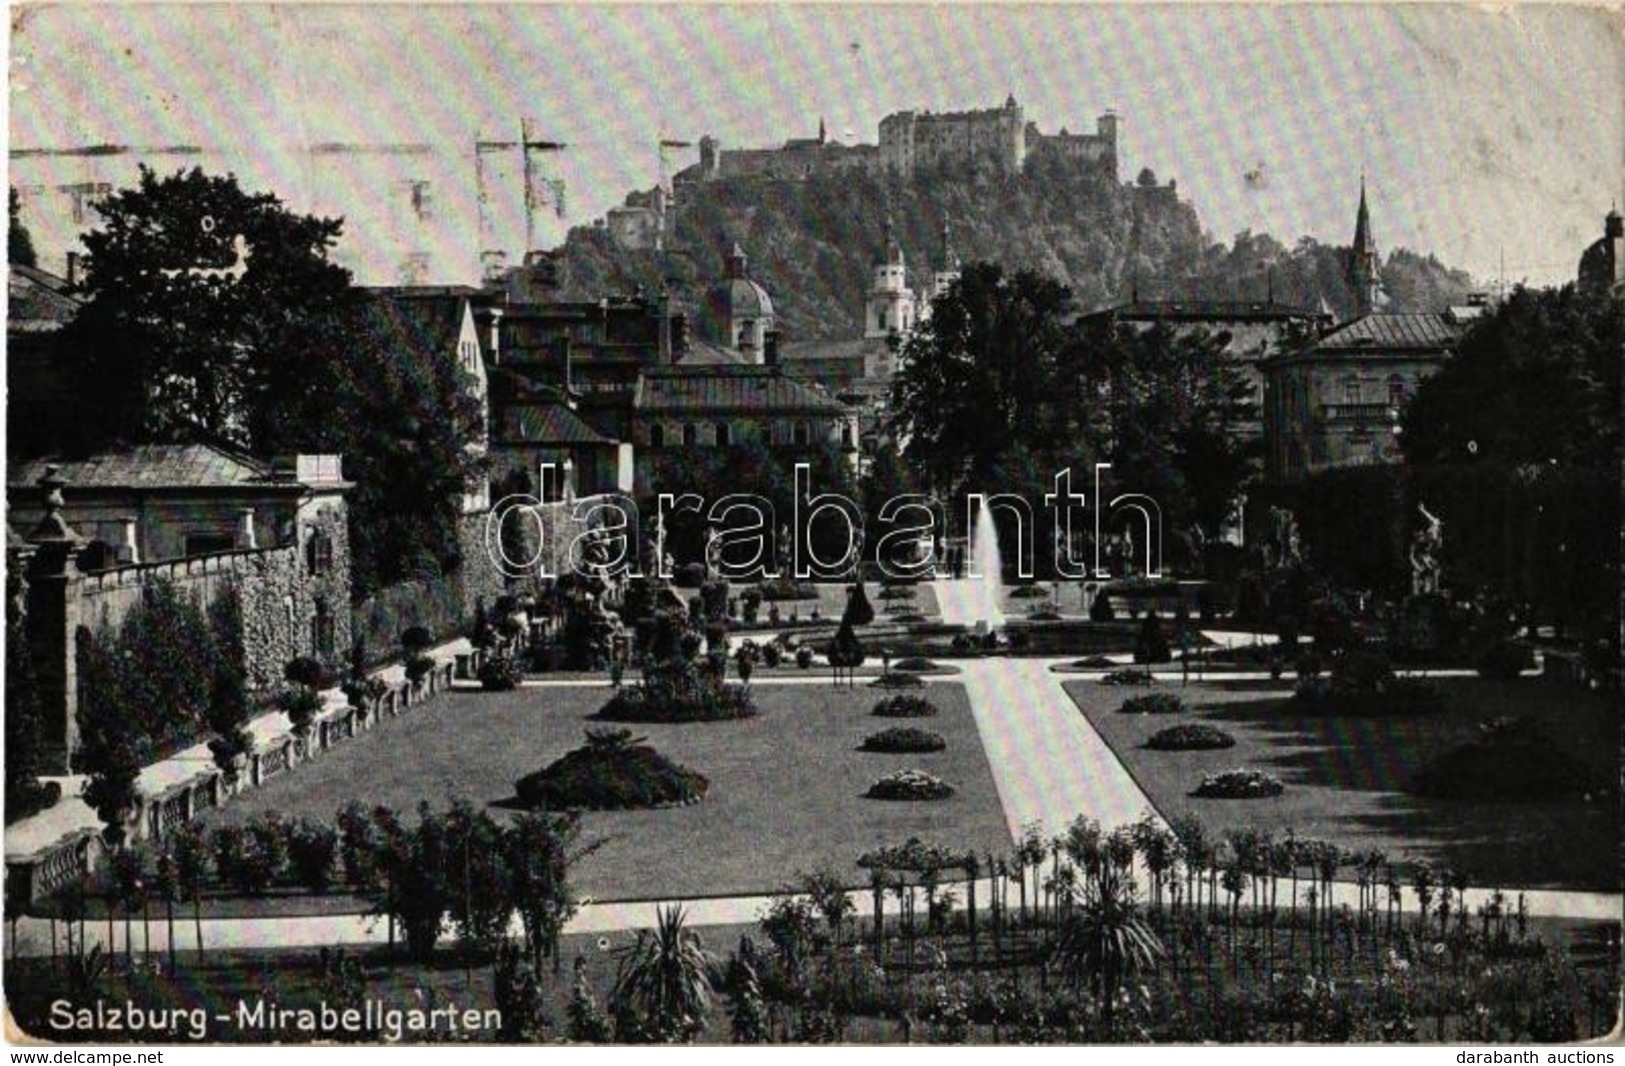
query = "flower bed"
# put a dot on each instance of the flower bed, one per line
(917, 664)
(1239, 784)
(1191, 736)
(1153, 703)
(904, 707)
(910, 785)
(1128, 677)
(1029, 592)
(611, 772)
(904, 739)
(897, 679)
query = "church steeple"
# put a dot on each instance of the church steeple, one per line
(1363, 271)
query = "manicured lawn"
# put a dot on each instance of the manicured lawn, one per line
(1345, 776)
(786, 787)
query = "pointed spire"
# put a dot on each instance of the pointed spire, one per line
(823, 135)
(950, 261)
(1362, 222)
(736, 262)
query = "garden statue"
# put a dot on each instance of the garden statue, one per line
(713, 554)
(1426, 570)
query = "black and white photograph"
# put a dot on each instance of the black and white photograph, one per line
(613, 524)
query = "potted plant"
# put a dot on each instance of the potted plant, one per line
(415, 642)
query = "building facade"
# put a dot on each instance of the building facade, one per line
(1339, 403)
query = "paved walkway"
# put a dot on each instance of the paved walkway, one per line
(1048, 762)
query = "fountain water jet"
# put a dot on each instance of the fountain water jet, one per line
(989, 577)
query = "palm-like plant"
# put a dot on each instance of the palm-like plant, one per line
(666, 978)
(1104, 939)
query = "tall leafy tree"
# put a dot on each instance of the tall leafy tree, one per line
(1536, 381)
(205, 308)
(19, 244)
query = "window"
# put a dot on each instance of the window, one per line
(880, 318)
(846, 434)
(1396, 391)
(1351, 389)
(802, 433)
(724, 435)
(322, 639)
(657, 436)
(319, 553)
(691, 434)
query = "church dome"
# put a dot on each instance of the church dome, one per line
(734, 300)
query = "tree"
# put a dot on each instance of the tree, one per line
(111, 748)
(25, 722)
(1535, 381)
(208, 307)
(664, 981)
(19, 244)
(997, 363)
(402, 414)
(1104, 940)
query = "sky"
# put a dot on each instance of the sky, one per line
(1487, 135)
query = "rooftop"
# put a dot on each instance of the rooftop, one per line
(1389, 332)
(161, 466)
(735, 389)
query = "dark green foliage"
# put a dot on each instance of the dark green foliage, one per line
(111, 748)
(846, 650)
(1101, 609)
(19, 251)
(1363, 683)
(1510, 760)
(307, 672)
(1192, 736)
(413, 862)
(517, 992)
(312, 849)
(611, 772)
(859, 611)
(904, 739)
(25, 722)
(898, 679)
(675, 686)
(479, 896)
(156, 672)
(664, 983)
(500, 673)
(301, 705)
(904, 707)
(174, 354)
(1151, 643)
(433, 604)
(1153, 703)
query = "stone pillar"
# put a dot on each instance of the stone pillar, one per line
(245, 533)
(131, 548)
(54, 607)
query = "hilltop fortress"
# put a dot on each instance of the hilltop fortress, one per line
(911, 141)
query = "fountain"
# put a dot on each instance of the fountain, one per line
(988, 577)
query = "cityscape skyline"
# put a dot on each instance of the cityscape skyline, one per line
(1224, 100)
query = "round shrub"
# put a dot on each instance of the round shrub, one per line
(688, 697)
(897, 592)
(500, 673)
(897, 679)
(1101, 609)
(915, 664)
(689, 576)
(611, 772)
(1128, 677)
(804, 657)
(1239, 784)
(904, 707)
(1153, 703)
(1191, 736)
(783, 588)
(307, 672)
(416, 640)
(1512, 759)
(904, 739)
(1029, 592)
(910, 785)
